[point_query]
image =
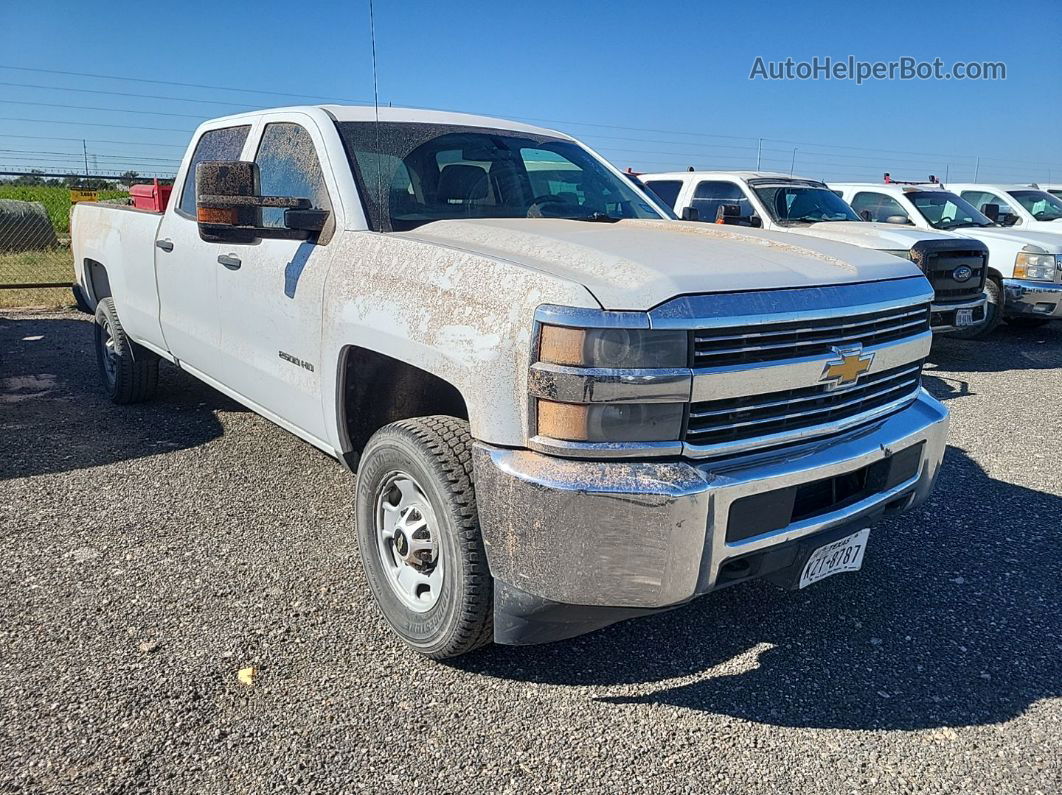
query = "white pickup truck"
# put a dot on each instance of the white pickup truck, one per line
(795, 205)
(564, 409)
(1024, 285)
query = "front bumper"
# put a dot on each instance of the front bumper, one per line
(647, 535)
(1027, 298)
(942, 316)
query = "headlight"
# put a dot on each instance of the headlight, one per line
(1040, 267)
(613, 348)
(902, 253)
(610, 422)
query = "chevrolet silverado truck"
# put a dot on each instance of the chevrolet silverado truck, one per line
(1024, 284)
(564, 409)
(955, 267)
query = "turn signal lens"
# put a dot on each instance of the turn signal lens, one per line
(562, 420)
(613, 348)
(216, 215)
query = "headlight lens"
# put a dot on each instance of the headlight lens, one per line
(613, 348)
(610, 422)
(1039, 267)
(902, 253)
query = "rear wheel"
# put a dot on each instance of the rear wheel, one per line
(418, 534)
(130, 373)
(993, 314)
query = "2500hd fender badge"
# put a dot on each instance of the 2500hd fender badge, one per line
(846, 369)
(295, 360)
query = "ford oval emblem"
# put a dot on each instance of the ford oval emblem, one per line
(962, 273)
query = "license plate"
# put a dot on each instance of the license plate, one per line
(964, 317)
(845, 554)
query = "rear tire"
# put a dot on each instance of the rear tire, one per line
(130, 373)
(993, 314)
(419, 538)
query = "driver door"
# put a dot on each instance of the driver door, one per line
(270, 293)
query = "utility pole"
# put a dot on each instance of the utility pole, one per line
(759, 151)
(977, 167)
(84, 149)
(792, 165)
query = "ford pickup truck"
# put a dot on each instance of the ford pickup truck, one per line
(564, 409)
(806, 207)
(1024, 285)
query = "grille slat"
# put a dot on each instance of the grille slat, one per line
(794, 339)
(744, 418)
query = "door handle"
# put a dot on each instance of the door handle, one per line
(165, 244)
(230, 261)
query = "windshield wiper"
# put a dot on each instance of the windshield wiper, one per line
(603, 218)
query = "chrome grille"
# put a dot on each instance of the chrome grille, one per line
(795, 339)
(736, 419)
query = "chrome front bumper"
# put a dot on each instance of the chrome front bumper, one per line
(1027, 298)
(651, 534)
(943, 315)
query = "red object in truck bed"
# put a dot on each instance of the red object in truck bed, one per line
(150, 197)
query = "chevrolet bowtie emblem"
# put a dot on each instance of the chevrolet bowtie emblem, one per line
(845, 370)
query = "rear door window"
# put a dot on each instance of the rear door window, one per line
(980, 198)
(222, 144)
(667, 189)
(880, 205)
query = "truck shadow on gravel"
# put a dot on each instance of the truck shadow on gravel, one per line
(952, 622)
(54, 416)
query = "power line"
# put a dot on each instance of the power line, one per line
(91, 140)
(186, 130)
(199, 116)
(172, 83)
(129, 94)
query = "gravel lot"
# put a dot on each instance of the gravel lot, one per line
(148, 553)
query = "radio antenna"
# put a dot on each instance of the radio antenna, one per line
(376, 113)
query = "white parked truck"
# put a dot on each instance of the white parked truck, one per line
(564, 409)
(1024, 207)
(1024, 285)
(806, 207)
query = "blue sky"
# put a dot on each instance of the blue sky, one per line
(666, 83)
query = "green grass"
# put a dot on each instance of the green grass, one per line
(53, 265)
(56, 200)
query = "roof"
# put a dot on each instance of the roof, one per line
(725, 174)
(390, 114)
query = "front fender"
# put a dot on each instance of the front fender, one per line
(463, 317)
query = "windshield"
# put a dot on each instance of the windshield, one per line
(944, 210)
(1041, 205)
(804, 204)
(412, 174)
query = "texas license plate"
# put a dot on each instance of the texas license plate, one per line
(964, 317)
(845, 554)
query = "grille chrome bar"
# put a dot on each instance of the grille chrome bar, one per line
(911, 370)
(915, 313)
(834, 341)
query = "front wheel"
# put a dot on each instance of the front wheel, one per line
(993, 314)
(418, 534)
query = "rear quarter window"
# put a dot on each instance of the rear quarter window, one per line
(223, 144)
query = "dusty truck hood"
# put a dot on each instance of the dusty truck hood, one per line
(638, 264)
(869, 234)
(1048, 241)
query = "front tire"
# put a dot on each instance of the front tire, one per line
(419, 538)
(130, 373)
(993, 314)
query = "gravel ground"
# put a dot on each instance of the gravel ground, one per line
(149, 553)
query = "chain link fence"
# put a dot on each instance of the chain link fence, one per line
(36, 265)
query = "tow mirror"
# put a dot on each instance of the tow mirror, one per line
(866, 215)
(898, 219)
(755, 222)
(992, 211)
(229, 206)
(691, 214)
(730, 214)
